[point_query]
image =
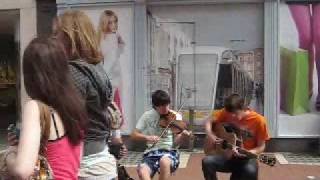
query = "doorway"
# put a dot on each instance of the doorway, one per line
(9, 70)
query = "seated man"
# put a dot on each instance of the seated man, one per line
(160, 155)
(241, 167)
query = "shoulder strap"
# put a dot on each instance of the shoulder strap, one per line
(45, 117)
(55, 125)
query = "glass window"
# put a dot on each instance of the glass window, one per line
(201, 50)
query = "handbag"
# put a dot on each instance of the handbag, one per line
(122, 173)
(42, 170)
(115, 115)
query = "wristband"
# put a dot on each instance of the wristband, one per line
(116, 133)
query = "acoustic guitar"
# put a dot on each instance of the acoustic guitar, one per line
(233, 138)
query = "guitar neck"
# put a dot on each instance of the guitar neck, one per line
(247, 153)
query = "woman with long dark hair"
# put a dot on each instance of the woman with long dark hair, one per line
(47, 80)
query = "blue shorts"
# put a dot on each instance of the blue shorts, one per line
(152, 160)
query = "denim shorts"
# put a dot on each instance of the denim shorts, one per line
(152, 160)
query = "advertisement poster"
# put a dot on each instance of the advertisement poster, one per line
(300, 54)
(299, 68)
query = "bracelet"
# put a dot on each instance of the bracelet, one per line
(116, 133)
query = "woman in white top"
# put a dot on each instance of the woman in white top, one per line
(112, 46)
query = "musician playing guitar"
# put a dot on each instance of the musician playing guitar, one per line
(241, 166)
(154, 127)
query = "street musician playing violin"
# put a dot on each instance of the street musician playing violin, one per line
(162, 129)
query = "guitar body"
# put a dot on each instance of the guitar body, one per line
(210, 148)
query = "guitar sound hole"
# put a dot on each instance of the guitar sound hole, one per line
(229, 129)
(225, 144)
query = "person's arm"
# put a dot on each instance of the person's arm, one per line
(120, 40)
(262, 136)
(116, 137)
(260, 148)
(138, 136)
(22, 164)
(121, 44)
(209, 123)
(208, 126)
(178, 139)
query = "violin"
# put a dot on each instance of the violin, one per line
(173, 121)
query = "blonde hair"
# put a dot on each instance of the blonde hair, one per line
(104, 21)
(80, 37)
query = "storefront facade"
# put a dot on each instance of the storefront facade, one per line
(157, 36)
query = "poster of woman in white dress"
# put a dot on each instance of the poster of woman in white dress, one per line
(114, 26)
(112, 46)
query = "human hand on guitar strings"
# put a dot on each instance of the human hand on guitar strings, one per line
(215, 139)
(235, 152)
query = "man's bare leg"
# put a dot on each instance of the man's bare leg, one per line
(165, 163)
(144, 172)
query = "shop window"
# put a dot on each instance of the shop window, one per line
(299, 69)
(185, 44)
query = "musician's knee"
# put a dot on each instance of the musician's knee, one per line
(207, 164)
(206, 161)
(251, 170)
(143, 170)
(209, 161)
(165, 162)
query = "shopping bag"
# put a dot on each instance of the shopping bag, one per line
(294, 83)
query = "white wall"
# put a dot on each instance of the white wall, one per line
(217, 24)
(17, 4)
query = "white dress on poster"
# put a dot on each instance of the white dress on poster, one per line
(111, 50)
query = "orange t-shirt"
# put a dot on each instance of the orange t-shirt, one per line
(253, 123)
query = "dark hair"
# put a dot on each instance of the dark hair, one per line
(234, 103)
(47, 79)
(160, 98)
